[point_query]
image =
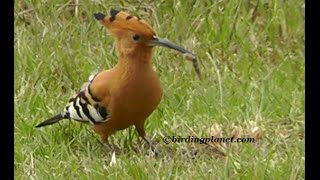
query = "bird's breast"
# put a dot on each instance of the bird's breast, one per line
(137, 95)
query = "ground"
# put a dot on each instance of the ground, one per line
(252, 59)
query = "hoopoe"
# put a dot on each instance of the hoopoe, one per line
(128, 93)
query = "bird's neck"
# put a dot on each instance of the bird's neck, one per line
(136, 60)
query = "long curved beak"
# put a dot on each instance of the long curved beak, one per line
(165, 43)
(157, 41)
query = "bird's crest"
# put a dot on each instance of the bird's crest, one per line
(119, 22)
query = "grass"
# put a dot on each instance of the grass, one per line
(252, 60)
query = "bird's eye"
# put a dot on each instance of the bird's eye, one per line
(136, 37)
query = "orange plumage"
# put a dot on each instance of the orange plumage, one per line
(129, 92)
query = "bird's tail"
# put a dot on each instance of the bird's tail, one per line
(52, 120)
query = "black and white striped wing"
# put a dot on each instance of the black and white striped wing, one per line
(82, 107)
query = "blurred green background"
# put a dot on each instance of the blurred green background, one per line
(252, 59)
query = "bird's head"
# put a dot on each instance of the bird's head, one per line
(133, 35)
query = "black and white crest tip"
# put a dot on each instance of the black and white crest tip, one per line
(99, 16)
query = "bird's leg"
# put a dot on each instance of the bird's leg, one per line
(142, 134)
(104, 134)
(134, 148)
(147, 140)
(107, 146)
(104, 141)
(130, 144)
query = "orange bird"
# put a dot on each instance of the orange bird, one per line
(128, 93)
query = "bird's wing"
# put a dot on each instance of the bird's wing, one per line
(90, 104)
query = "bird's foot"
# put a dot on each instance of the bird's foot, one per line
(107, 146)
(135, 149)
(153, 148)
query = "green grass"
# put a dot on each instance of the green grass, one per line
(252, 59)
